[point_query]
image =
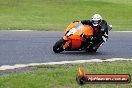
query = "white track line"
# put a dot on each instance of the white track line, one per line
(5, 67)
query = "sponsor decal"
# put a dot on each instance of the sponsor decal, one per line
(83, 78)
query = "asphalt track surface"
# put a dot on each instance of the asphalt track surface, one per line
(24, 47)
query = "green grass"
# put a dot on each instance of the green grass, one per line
(57, 14)
(63, 76)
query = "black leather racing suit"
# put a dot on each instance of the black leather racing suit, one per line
(100, 34)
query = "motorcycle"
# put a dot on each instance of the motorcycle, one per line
(73, 39)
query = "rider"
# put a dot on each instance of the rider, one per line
(100, 34)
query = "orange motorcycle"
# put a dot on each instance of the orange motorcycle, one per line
(73, 40)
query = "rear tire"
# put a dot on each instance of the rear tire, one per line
(58, 47)
(91, 48)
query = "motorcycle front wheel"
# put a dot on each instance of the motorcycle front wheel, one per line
(58, 46)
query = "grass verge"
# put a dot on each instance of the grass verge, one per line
(63, 76)
(57, 14)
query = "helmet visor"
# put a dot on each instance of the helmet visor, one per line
(95, 22)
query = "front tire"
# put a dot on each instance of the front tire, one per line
(58, 47)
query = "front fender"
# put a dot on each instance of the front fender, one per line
(67, 43)
(65, 38)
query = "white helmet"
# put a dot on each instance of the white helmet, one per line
(96, 19)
